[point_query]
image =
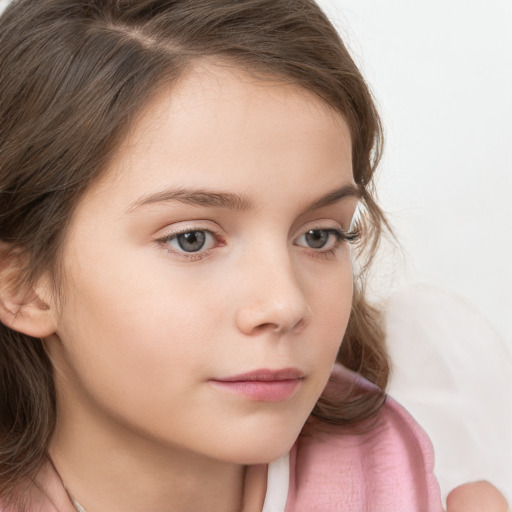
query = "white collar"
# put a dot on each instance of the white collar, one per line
(278, 483)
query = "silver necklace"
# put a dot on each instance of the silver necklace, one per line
(75, 503)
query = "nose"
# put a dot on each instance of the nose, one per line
(272, 298)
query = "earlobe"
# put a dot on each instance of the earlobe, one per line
(25, 309)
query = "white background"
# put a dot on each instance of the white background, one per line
(442, 75)
(441, 71)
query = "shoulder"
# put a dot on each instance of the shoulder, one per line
(387, 467)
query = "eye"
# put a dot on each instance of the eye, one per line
(191, 241)
(320, 238)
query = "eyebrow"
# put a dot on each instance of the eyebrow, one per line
(196, 197)
(349, 190)
(230, 201)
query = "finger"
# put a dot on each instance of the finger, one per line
(476, 497)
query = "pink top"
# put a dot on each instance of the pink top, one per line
(388, 468)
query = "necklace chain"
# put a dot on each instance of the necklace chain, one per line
(77, 505)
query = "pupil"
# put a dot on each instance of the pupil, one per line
(192, 241)
(316, 238)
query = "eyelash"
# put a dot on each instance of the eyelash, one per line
(341, 236)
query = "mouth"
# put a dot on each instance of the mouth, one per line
(262, 385)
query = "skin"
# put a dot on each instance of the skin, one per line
(142, 326)
(476, 497)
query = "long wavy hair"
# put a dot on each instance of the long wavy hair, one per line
(74, 74)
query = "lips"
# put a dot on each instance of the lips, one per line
(262, 385)
(265, 375)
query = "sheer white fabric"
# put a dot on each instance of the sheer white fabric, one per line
(453, 373)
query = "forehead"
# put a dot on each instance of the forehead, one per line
(220, 123)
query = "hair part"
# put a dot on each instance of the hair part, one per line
(74, 74)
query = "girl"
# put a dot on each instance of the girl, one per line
(186, 218)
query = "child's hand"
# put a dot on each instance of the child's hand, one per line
(476, 497)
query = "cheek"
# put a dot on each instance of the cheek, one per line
(332, 299)
(126, 333)
(135, 364)
(331, 308)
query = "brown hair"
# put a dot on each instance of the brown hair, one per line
(73, 75)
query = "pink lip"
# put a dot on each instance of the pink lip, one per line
(263, 385)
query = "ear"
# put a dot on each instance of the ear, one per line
(23, 308)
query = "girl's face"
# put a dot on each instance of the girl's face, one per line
(215, 246)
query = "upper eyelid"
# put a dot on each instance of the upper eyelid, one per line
(178, 232)
(319, 224)
(187, 226)
(190, 226)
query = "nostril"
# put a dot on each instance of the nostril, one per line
(300, 324)
(266, 327)
(279, 327)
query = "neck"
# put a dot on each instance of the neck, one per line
(107, 468)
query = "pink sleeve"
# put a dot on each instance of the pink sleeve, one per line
(387, 469)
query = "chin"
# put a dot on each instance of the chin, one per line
(264, 447)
